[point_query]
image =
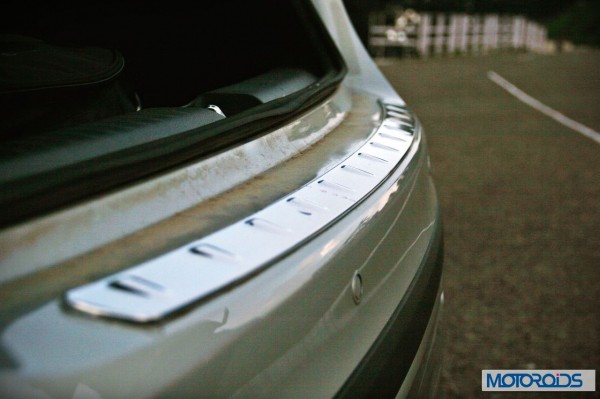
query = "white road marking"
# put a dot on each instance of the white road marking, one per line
(546, 110)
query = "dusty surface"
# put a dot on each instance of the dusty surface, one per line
(521, 200)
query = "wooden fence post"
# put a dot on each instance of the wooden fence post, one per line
(476, 34)
(440, 32)
(505, 29)
(463, 28)
(530, 36)
(423, 35)
(452, 41)
(490, 33)
(486, 34)
(495, 36)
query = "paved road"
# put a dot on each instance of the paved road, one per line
(520, 195)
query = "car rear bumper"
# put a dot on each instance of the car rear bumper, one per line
(292, 330)
(406, 358)
(294, 326)
(427, 365)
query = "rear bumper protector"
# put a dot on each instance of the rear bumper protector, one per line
(160, 287)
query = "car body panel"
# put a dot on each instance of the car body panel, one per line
(296, 308)
(292, 330)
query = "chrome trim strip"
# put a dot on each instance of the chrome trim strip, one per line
(157, 288)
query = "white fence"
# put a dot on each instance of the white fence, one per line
(459, 33)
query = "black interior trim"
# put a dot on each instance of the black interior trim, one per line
(60, 181)
(276, 83)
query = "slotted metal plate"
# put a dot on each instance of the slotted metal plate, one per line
(156, 288)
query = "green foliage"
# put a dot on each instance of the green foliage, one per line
(579, 24)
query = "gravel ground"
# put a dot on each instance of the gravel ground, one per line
(519, 194)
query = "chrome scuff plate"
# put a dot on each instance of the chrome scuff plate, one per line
(155, 289)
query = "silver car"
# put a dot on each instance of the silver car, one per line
(211, 200)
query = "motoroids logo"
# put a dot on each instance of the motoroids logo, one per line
(538, 380)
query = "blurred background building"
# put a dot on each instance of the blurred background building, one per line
(423, 27)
